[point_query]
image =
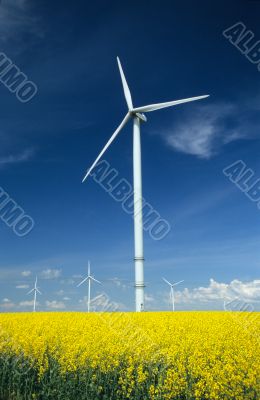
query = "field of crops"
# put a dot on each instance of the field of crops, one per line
(181, 355)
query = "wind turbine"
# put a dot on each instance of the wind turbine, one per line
(88, 279)
(137, 115)
(34, 290)
(172, 291)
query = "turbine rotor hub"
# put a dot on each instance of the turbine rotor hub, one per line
(141, 116)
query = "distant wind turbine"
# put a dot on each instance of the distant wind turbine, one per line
(172, 291)
(137, 115)
(88, 279)
(34, 290)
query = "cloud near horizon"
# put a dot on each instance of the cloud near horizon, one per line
(26, 273)
(217, 291)
(55, 305)
(51, 273)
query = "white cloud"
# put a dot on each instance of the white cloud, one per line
(149, 298)
(6, 300)
(26, 303)
(51, 273)
(216, 291)
(248, 290)
(196, 140)
(119, 283)
(14, 3)
(56, 305)
(204, 131)
(26, 273)
(16, 18)
(22, 286)
(18, 158)
(7, 304)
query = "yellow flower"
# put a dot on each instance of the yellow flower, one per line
(210, 355)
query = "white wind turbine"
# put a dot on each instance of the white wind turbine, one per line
(137, 115)
(172, 291)
(34, 290)
(88, 279)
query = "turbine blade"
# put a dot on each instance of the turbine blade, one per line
(165, 280)
(125, 86)
(37, 290)
(88, 268)
(177, 283)
(84, 280)
(107, 145)
(93, 279)
(30, 291)
(158, 106)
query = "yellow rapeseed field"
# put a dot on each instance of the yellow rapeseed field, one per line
(177, 355)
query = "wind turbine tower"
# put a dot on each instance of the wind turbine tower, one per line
(34, 290)
(172, 291)
(137, 115)
(88, 279)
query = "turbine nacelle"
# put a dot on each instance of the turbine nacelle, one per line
(135, 112)
(172, 284)
(141, 116)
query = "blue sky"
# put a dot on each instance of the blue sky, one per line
(168, 51)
